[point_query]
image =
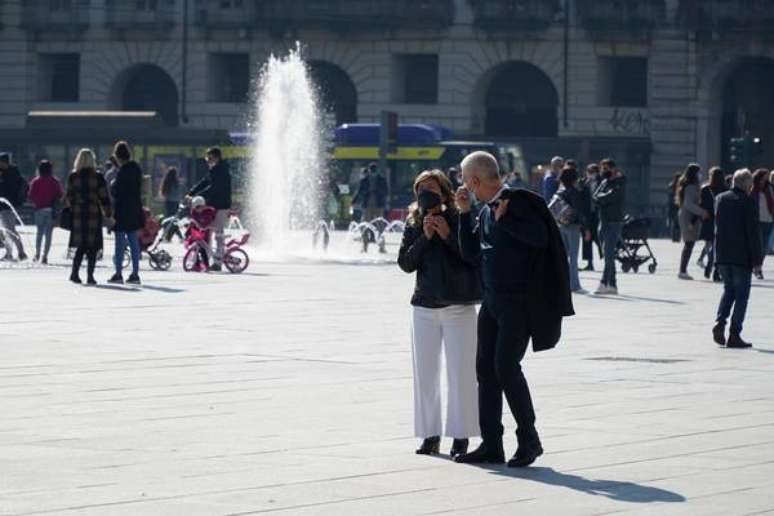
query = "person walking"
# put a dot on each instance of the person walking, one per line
(763, 195)
(216, 190)
(444, 316)
(45, 192)
(709, 192)
(526, 294)
(738, 253)
(129, 216)
(551, 179)
(610, 198)
(371, 194)
(587, 188)
(571, 216)
(170, 192)
(88, 199)
(13, 188)
(690, 215)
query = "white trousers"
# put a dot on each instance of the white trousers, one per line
(453, 330)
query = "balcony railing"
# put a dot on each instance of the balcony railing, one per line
(141, 14)
(514, 15)
(721, 16)
(634, 16)
(55, 15)
(354, 15)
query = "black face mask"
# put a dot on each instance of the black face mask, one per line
(607, 174)
(427, 200)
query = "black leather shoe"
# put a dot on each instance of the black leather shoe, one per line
(75, 279)
(707, 271)
(716, 277)
(459, 446)
(430, 446)
(482, 455)
(719, 334)
(526, 455)
(735, 341)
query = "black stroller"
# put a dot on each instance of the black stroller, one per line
(633, 249)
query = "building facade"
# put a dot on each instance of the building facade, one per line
(655, 83)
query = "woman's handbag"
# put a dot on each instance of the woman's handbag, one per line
(66, 218)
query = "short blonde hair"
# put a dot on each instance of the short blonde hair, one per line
(482, 162)
(85, 159)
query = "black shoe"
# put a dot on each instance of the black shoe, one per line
(430, 446)
(23, 257)
(589, 267)
(90, 281)
(216, 267)
(526, 454)
(707, 272)
(44, 261)
(716, 277)
(735, 341)
(459, 447)
(719, 334)
(116, 279)
(75, 279)
(482, 455)
(133, 279)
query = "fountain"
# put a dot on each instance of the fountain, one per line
(287, 171)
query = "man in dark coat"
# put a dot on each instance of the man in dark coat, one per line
(526, 295)
(13, 188)
(371, 193)
(127, 195)
(738, 253)
(216, 190)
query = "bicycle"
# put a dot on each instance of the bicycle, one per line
(235, 259)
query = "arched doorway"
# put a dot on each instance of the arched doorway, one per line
(146, 87)
(747, 101)
(520, 101)
(338, 95)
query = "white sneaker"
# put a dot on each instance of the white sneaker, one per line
(613, 291)
(580, 291)
(602, 290)
(685, 276)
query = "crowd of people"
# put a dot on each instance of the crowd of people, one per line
(94, 201)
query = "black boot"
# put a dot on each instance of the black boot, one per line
(484, 454)
(716, 276)
(529, 449)
(719, 334)
(459, 446)
(708, 271)
(430, 446)
(735, 341)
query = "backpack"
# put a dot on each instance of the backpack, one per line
(563, 213)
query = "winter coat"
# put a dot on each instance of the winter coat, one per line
(737, 236)
(690, 214)
(610, 198)
(13, 187)
(87, 197)
(127, 195)
(216, 187)
(707, 203)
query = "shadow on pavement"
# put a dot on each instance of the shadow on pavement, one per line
(116, 287)
(168, 290)
(612, 489)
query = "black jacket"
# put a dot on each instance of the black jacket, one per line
(443, 277)
(216, 187)
(522, 256)
(610, 198)
(12, 187)
(127, 198)
(575, 198)
(707, 202)
(737, 235)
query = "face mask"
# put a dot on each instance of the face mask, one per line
(427, 200)
(607, 174)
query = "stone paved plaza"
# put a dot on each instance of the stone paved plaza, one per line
(288, 389)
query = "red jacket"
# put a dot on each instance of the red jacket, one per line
(45, 191)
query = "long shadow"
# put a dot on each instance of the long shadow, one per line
(767, 351)
(103, 286)
(168, 290)
(612, 489)
(758, 285)
(653, 300)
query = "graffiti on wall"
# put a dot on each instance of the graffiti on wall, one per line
(630, 121)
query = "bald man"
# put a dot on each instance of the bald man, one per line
(526, 294)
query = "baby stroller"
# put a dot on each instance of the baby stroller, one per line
(150, 238)
(633, 249)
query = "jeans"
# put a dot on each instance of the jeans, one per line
(765, 236)
(610, 234)
(122, 237)
(44, 220)
(449, 331)
(571, 238)
(736, 293)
